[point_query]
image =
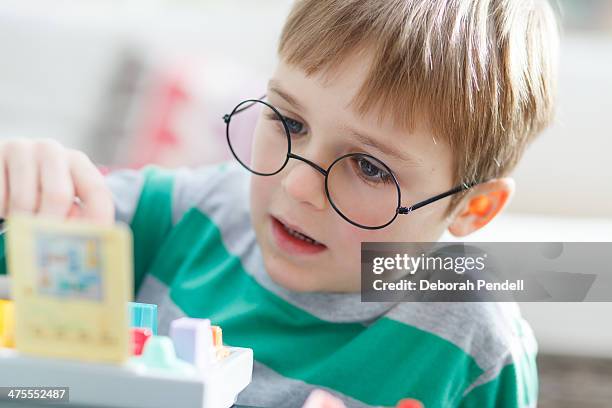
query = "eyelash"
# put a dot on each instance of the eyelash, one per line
(384, 176)
(288, 121)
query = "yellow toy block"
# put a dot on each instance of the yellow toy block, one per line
(71, 282)
(7, 324)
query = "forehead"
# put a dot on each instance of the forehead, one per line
(327, 100)
(338, 85)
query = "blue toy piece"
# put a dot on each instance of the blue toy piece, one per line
(144, 315)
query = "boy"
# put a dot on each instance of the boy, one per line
(428, 94)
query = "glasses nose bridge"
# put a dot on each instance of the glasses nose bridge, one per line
(312, 164)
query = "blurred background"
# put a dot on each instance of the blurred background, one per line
(132, 82)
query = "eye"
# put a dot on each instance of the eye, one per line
(367, 170)
(295, 126)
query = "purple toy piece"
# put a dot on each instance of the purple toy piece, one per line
(193, 342)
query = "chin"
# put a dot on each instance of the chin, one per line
(288, 280)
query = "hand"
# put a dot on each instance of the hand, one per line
(322, 399)
(40, 176)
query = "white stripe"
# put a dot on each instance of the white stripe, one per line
(488, 331)
(125, 186)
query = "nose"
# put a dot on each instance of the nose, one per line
(305, 183)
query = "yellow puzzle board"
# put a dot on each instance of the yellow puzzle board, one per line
(71, 282)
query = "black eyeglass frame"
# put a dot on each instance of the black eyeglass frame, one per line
(399, 210)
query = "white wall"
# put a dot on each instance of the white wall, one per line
(58, 58)
(568, 170)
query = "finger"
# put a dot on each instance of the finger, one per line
(22, 178)
(91, 189)
(75, 212)
(56, 188)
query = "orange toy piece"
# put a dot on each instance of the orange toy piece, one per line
(220, 350)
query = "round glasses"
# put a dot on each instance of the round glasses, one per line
(362, 189)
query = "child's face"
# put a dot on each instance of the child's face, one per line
(297, 196)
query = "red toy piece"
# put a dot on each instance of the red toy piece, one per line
(139, 338)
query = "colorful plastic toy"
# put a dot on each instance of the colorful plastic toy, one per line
(71, 284)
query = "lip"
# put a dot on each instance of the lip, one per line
(290, 244)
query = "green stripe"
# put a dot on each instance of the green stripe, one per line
(152, 220)
(378, 364)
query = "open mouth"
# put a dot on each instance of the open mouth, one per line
(294, 241)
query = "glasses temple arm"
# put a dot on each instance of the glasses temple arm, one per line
(464, 186)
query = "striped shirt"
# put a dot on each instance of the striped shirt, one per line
(196, 254)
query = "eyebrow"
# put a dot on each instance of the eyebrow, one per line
(384, 148)
(274, 86)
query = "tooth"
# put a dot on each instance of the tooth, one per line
(299, 235)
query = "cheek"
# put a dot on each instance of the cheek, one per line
(411, 228)
(351, 237)
(261, 190)
(261, 193)
(424, 227)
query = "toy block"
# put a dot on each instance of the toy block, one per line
(158, 353)
(144, 315)
(139, 338)
(193, 342)
(220, 349)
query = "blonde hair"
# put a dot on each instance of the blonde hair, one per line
(482, 71)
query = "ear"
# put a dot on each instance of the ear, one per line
(481, 205)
